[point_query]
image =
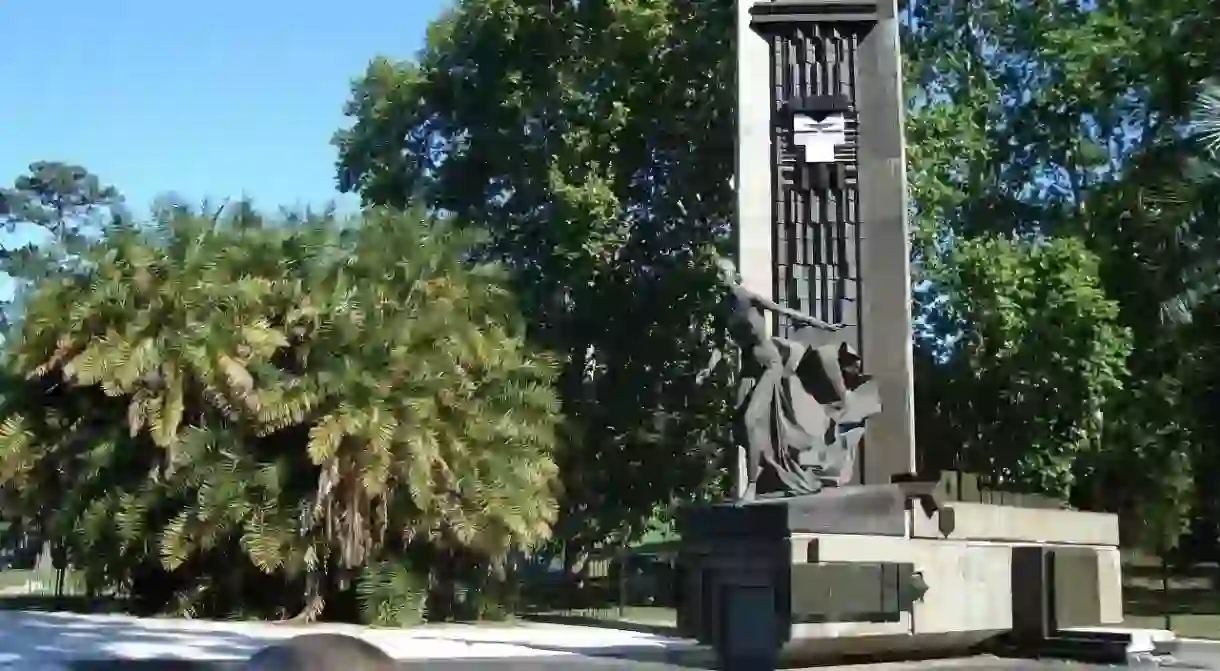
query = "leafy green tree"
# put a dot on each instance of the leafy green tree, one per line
(592, 141)
(228, 413)
(1030, 352)
(53, 207)
(1064, 119)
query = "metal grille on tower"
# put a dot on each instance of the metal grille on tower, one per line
(816, 233)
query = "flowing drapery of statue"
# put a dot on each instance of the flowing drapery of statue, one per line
(801, 401)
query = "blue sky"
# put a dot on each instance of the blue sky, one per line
(206, 99)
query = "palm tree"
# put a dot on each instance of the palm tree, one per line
(313, 395)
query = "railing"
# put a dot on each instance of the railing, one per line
(626, 587)
(1185, 599)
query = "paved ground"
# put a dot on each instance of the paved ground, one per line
(584, 664)
(69, 642)
(63, 641)
(593, 664)
(1198, 655)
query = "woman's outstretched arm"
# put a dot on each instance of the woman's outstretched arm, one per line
(794, 315)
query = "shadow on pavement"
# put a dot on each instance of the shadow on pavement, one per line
(70, 642)
(75, 642)
(30, 640)
(585, 621)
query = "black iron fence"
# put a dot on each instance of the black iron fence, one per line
(629, 586)
(1184, 598)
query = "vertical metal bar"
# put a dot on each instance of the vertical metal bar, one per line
(779, 198)
(851, 192)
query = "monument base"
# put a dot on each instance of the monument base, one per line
(888, 571)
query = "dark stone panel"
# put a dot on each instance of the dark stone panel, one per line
(870, 509)
(752, 634)
(815, 236)
(1054, 588)
(1031, 609)
(847, 592)
(787, 11)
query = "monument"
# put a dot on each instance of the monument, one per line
(833, 545)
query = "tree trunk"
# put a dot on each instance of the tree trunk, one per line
(315, 600)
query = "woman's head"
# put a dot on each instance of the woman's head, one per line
(727, 271)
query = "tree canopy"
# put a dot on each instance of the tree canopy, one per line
(54, 207)
(593, 140)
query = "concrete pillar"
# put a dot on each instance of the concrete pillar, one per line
(752, 176)
(752, 180)
(885, 273)
(876, 296)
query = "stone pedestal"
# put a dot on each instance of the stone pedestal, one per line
(885, 570)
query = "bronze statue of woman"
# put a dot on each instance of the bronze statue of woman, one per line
(761, 397)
